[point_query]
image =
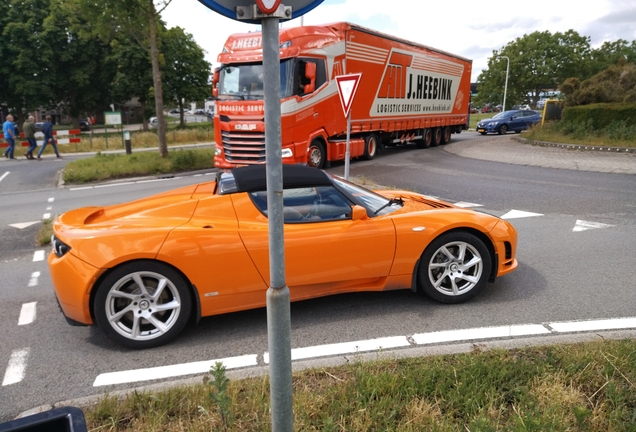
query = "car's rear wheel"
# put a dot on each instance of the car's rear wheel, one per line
(454, 267)
(316, 154)
(437, 136)
(370, 146)
(427, 137)
(503, 129)
(142, 304)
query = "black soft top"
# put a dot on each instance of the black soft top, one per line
(253, 178)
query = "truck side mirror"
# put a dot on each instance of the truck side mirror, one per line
(310, 74)
(215, 83)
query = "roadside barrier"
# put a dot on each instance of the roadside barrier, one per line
(69, 136)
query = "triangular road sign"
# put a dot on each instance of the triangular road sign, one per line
(347, 86)
(582, 225)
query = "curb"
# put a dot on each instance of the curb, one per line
(575, 146)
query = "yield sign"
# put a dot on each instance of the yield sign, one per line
(347, 86)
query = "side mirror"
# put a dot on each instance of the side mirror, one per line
(310, 74)
(358, 212)
(215, 83)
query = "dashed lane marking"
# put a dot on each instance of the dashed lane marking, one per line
(465, 204)
(17, 365)
(3, 176)
(51, 200)
(35, 276)
(27, 314)
(582, 225)
(38, 255)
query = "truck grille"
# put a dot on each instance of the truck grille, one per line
(243, 147)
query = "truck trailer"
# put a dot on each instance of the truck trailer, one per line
(407, 93)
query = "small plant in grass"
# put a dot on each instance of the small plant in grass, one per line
(219, 393)
(43, 237)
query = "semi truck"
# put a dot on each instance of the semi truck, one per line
(408, 93)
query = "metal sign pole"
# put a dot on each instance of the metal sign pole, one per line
(347, 152)
(278, 297)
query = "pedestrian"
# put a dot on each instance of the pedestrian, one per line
(8, 129)
(47, 130)
(28, 128)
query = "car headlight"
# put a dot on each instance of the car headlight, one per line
(495, 123)
(59, 247)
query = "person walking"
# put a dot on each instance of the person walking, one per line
(47, 130)
(9, 134)
(28, 128)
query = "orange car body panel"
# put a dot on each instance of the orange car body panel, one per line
(405, 87)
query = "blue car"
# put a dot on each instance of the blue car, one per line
(514, 120)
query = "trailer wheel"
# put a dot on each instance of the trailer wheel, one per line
(316, 154)
(446, 135)
(370, 146)
(427, 137)
(437, 137)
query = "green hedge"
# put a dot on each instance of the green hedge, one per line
(601, 115)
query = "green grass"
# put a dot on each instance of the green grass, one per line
(113, 166)
(578, 387)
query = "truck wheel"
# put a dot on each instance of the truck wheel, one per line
(370, 146)
(425, 142)
(316, 154)
(437, 137)
(446, 135)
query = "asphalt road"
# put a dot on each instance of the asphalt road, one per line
(567, 271)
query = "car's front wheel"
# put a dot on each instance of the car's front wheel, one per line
(454, 267)
(142, 304)
(503, 129)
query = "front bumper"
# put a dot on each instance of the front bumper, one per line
(72, 281)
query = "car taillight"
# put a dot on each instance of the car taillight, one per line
(59, 247)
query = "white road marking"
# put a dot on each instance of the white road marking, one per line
(27, 314)
(49, 208)
(51, 199)
(23, 225)
(595, 325)
(38, 256)
(479, 333)
(113, 184)
(172, 370)
(465, 204)
(582, 225)
(347, 348)
(516, 214)
(46, 216)
(34, 279)
(17, 365)
(4, 175)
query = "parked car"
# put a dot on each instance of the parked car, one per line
(38, 126)
(153, 122)
(514, 120)
(199, 111)
(85, 125)
(174, 111)
(143, 270)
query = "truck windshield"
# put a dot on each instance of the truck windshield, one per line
(245, 81)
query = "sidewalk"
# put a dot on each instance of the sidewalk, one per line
(516, 150)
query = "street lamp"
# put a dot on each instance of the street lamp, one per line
(506, 85)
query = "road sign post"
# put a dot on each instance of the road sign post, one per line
(267, 13)
(347, 86)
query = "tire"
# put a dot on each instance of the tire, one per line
(437, 137)
(446, 135)
(425, 142)
(503, 129)
(124, 310)
(370, 147)
(454, 267)
(316, 154)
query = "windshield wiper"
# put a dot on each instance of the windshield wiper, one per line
(394, 200)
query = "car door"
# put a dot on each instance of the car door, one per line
(326, 252)
(516, 122)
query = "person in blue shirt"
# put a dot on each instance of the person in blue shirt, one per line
(9, 134)
(47, 130)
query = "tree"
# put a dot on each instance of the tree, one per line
(539, 62)
(611, 53)
(138, 20)
(617, 83)
(186, 72)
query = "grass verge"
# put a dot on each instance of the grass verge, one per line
(578, 387)
(113, 166)
(43, 236)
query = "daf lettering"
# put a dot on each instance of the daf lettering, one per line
(245, 127)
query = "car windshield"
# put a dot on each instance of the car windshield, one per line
(370, 200)
(245, 81)
(504, 114)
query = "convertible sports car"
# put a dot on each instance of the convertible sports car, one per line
(143, 270)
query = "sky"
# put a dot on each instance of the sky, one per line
(467, 28)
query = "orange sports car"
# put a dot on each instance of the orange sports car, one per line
(143, 270)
